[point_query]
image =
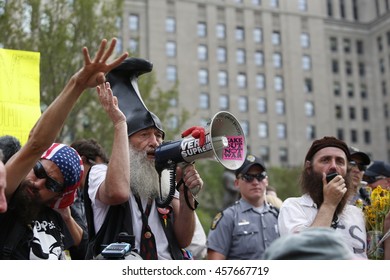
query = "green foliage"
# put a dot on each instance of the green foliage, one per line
(285, 180)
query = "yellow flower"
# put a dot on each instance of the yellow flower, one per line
(376, 212)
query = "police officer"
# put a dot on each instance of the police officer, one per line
(245, 229)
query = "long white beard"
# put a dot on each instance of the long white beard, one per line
(144, 179)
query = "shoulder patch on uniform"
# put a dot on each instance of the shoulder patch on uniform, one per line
(216, 219)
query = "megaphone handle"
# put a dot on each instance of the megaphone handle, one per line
(186, 189)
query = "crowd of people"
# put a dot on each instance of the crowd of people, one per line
(60, 201)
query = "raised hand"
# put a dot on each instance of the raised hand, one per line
(110, 103)
(92, 74)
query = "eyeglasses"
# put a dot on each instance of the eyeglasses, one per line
(361, 167)
(51, 184)
(250, 177)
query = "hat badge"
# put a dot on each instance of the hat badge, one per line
(250, 158)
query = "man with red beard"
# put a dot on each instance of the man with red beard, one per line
(325, 204)
(129, 185)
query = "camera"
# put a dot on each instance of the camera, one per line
(116, 250)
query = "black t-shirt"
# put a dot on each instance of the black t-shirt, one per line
(44, 238)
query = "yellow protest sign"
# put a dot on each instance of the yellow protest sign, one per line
(19, 92)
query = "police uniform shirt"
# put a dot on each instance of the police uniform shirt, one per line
(241, 232)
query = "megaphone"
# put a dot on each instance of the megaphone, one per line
(225, 142)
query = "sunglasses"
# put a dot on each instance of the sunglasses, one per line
(250, 177)
(361, 167)
(51, 184)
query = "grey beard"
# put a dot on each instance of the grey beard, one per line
(144, 179)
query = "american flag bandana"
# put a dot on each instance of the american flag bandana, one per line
(71, 166)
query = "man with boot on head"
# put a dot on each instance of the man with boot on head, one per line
(133, 183)
(325, 202)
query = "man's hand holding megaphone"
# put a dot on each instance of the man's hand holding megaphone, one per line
(198, 132)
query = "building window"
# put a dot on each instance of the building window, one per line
(222, 78)
(262, 105)
(241, 80)
(355, 10)
(365, 114)
(335, 66)
(363, 91)
(302, 5)
(264, 153)
(133, 45)
(240, 34)
(202, 52)
(263, 130)
(240, 56)
(329, 8)
(203, 77)
(359, 47)
(308, 85)
(305, 40)
(347, 45)
(221, 31)
(309, 109)
(311, 132)
(243, 104)
(281, 131)
(339, 112)
(257, 35)
(276, 38)
(336, 89)
(367, 137)
(342, 9)
(279, 107)
(278, 83)
(306, 62)
(382, 65)
(224, 102)
(379, 43)
(171, 73)
(260, 81)
(170, 49)
(170, 25)
(350, 90)
(221, 54)
(354, 136)
(202, 29)
(348, 68)
(384, 88)
(362, 69)
(352, 113)
(385, 111)
(283, 155)
(133, 22)
(274, 3)
(340, 133)
(204, 100)
(277, 60)
(333, 44)
(259, 58)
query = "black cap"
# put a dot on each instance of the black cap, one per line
(356, 154)
(378, 168)
(123, 82)
(250, 161)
